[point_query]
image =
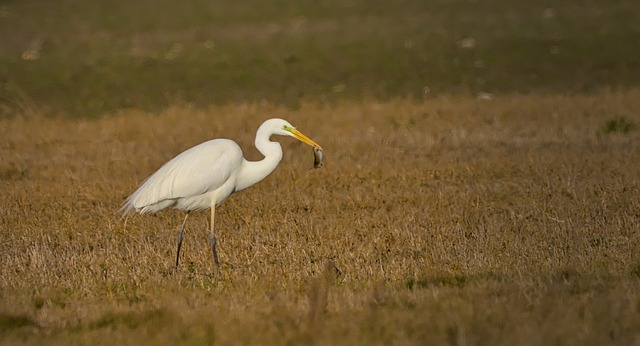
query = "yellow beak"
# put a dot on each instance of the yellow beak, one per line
(301, 137)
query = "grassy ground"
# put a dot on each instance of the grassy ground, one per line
(449, 221)
(481, 182)
(84, 58)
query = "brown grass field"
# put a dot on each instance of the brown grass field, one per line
(448, 221)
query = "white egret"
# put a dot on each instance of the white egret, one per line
(204, 176)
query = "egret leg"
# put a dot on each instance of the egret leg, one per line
(212, 236)
(180, 237)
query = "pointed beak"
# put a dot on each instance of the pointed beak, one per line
(301, 137)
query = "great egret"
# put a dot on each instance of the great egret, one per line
(204, 176)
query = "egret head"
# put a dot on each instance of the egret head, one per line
(284, 128)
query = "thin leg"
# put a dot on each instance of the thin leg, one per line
(212, 236)
(180, 236)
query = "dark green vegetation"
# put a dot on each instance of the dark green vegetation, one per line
(84, 58)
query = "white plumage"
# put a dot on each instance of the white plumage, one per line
(191, 180)
(204, 176)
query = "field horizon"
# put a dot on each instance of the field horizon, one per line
(448, 221)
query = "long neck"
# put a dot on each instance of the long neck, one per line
(252, 172)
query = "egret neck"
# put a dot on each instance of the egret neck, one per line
(252, 172)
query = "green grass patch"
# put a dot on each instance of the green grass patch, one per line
(11, 322)
(130, 319)
(619, 125)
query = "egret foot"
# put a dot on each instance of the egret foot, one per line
(180, 237)
(212, 240)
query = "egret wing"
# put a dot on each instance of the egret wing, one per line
(195, 171)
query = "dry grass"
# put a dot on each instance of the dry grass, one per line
(449, 221)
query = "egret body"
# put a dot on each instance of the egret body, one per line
(204, 176)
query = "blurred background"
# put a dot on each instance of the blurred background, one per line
(88, 58)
